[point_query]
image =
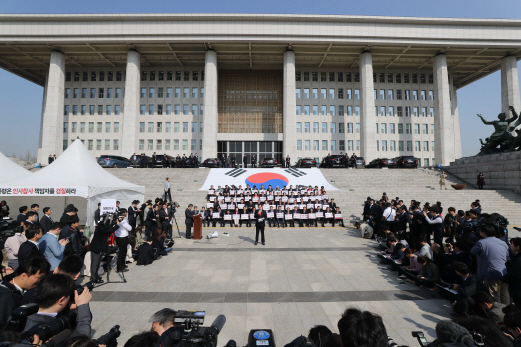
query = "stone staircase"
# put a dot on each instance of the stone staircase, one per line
(354, 187)
(418, 184)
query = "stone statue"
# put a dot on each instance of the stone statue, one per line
(502, 135)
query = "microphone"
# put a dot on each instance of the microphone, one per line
(218, 323)
(518, 229)
(449, 332)
(58, 339)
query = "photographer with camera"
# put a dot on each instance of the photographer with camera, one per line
(122, 240)
(14, 286)
(53, 295)
(98, 245)
(359, 328)
(162, 320)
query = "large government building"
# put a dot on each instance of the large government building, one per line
(270, 85)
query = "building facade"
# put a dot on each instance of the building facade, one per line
(269, 85)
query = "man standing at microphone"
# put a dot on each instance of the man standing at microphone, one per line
(260, 223)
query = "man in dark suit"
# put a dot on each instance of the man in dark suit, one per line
(22, 216)
(288, 161)
(253, 161)
(154, 160)
(245, 162)
(53, 295)
(50, 159)
(189, 221)
(260, 223)
(145, 253)
(332, 204)
(233, 160)
(133, 212)
(46, 222)
(466, 289)
(98, 245)
(29, 248)
(35, 208)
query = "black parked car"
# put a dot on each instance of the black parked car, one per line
(360, 161)
(406, 161)
(306, 162)
(335, 161)
(380, 163)
(211, 162)
(269, 162)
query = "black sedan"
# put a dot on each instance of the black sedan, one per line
(334, 161)
(211, 162)
(406, 161)
(306, 162)
(269, 162)
(380, 163)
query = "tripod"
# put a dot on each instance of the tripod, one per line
(175, 220)
(104, 255)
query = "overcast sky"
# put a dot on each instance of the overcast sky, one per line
(21, 101)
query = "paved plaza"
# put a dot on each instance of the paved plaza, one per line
(300, 278)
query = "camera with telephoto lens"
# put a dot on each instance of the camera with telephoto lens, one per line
(473, 340)
(189, 331)
(175, 204)
(9, 229)
(109, 219)
(89, 285)
(110, 338)
(47, 330)
(19, 316)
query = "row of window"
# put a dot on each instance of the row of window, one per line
(92, 93)
(167, 143)
(331, 145)
(90, 144)
(331, 93)
(177, 92)
(377, 77)
(380, 128)
(82, 109)
(149, 127)
(193, 110)
(94, 76)
(381, 111)
(100, 92)
(99, 127)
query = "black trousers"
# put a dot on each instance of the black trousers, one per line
(132, 223)
(95, 258)
(258, 229)
(188, 230)
(122, 243)
(167, 193)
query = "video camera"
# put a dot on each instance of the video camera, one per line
(9, 229)
(471, 230)
(110, 338)
(175, 204)
(110, 219)
(191, 333)
(473, 340)
(19, 317)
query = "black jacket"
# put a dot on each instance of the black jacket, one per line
(132, 214)
(145, 254)
(74, 246)
(27, 250)
(467, 288)
(100, 238)
(189, 215)
(513, 275)
(263, 216)
(46, 223)
(10, 298)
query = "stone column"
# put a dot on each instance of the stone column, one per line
(52, 118)
(509, 85)
(131, 104)
(290, 108)
(367, 118)
(210, 106)
(455, 118)
(443, 121)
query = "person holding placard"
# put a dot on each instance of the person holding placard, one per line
(288, 217)
(227, 218)
(280, 217)
(338, 217)
(328, 216)
(312, 218)
(271, 216)
(236, 217)
(245, 217)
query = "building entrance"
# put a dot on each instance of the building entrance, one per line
(261, 149)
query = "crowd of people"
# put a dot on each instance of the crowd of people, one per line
(287, 207)
(470, 259)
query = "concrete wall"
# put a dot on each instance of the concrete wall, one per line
(501, 171)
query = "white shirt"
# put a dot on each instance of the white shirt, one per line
(389, 215)
(36, 243)
(123, 230)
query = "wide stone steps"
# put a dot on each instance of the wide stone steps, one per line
(354, 187)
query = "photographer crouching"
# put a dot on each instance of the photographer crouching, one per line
(98, 245)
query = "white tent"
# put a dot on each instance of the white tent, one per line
(73, 177)
(9, 170)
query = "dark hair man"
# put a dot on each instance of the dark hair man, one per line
(486, 306)
(189, 221)
(122, 240)
(99, 245)
(513, 323)
(465, 290)
(69, 233)
(46, 221)
(13, 287)
(29, 249)
(362, 329)
(53, 295)
(162, 320)
(23, 210)
(260, 223)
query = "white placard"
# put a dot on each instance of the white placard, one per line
(270, 197)
(289, 216)
(312, 216)
(270, 214)
(310, 205)
(303, 216)
(266, 207)
(227, 199)
(255, 199)
(232, 192)
(231, 206)
(296, 215)
(262, 198)
(280, 215)
(220, 198)
(237, 216)
(325, 206)
(319, 214)
(252, 215)
(211, 191)
(209, 204)
(108, 206)
(306, 198)
(240, 206)
(211, 198)
(329, 215)
(245, 216)
(216, 215)
(277, 198)
(247, 198)
(338, 216)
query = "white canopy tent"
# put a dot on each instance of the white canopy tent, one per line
(72, 178)
(9, 170)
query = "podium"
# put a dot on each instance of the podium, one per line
(198, 227)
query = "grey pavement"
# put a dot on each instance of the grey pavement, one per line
(300, 278)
